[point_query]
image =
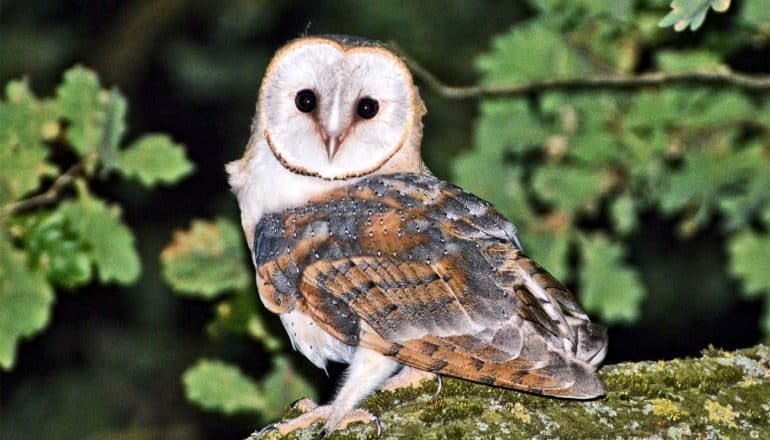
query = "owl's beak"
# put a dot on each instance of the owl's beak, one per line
(332, 144)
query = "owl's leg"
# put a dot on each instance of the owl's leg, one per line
(410, 377)
(367, 370)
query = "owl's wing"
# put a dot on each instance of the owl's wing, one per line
(429, 274)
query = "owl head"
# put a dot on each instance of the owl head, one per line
(338, 107)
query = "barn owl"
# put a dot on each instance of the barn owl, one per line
(370, 260)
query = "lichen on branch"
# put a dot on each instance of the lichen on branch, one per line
(719, 395)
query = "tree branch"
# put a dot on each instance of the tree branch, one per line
(51, 195)
(754, 83)
(720, 395)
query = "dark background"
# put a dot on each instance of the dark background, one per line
(109, 364)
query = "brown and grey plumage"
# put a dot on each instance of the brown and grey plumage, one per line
(370, 260)
(426, 273)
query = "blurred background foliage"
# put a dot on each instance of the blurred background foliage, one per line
(654, 205)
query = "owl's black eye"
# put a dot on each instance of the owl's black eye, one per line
(368, 107)
(305, 101)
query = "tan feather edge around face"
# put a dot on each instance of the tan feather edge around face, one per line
(416, 110)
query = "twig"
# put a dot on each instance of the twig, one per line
(49, 196)
(755, 83)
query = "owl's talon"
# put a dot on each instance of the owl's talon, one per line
(377, 425)
(256, 435)
(304, 405)
(439, 384)
(358, 415)
(374, 419)
(316, 414)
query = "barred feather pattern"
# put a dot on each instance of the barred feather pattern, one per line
(433, 276)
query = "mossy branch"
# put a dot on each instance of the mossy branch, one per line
(720, 395)
(721, 78)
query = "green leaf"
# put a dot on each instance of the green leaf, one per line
(57, 250)
(740, 209)
(750, 261)
(608, 45)
(96, 116)
(206, 260)
(505, 126)
(241, 314)
(756, 13)
(711, 109)
(282, 386)
(108, 241)
(6, 193)
(511, 60)
(658, 109)
(587, 122)
(688, 61)
(623, 214)
(705, 174)
(25, 123)
(619, 9)
(154, 159)
(25, 301)
(218, 386)
(607, 286)
(691, 13)
(696, 108)
(765, 216)
(571, 189)
(258, 330)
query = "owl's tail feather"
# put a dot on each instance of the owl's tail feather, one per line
(591, 345)
(585, 339)
(536, 369)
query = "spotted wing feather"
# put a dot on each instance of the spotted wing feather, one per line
(433, 276)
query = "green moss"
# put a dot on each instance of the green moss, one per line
(719, 395)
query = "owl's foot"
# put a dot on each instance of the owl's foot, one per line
(312, 413)
(411, 377)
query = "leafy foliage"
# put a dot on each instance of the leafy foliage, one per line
(218, 386)
(154, 159)
(25, 301)
(215, 385)
(208, 261)
(691, 13)
(97, 116)
(581, 174)
(756, 14)
(748, 251)
(609, 287)
(577, 172)
(48, 239)
(25, 124)
(109, 242)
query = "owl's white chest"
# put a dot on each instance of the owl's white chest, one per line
(262, 186)
(313, 342)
